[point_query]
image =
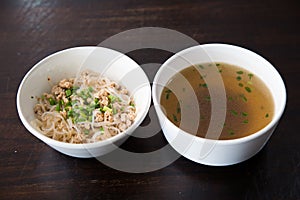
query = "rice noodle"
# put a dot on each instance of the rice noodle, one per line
(84, 110)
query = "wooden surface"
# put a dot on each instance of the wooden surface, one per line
(31, 30)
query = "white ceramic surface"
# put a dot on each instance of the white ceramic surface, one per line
(67, 63)
(219, 152)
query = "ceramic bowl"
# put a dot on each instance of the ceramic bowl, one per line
(209, 151)
(67, 63)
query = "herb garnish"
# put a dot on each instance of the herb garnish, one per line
(244, 114)
(235, 113)
(245, 121)
(248, 89)
(175, 118)
(243, 97)
(168, 93)
(250, 76)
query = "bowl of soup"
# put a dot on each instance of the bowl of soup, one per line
(218, 104)
(84, 101)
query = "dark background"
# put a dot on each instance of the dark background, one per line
(31, 30)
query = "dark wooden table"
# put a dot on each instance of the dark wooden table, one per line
(31, 30)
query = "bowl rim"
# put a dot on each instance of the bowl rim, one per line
(244, 139)
(57, 143)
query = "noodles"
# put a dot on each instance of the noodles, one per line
(86, 110)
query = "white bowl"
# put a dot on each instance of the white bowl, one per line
(67, 63)
(219, 152)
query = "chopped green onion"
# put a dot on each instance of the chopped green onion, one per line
(267, 115)
(250, 76)
(238, 78)
(241, 85)
(243, 97)
(244, 114)
(132, 104)
(68, 93)
(207, 98)
(239, 72)
(114, 110)
(234, 112)
(248, 89)
(97, 105)
(168, 91)
(204, 85)
(86, 132)
(175, 118)
(230, 131)
(113, 98)
(68, 104)
(51, 101)
(178, 108)
(70, 113)
(167, 96)
(217, 64)
(245, 121)
(105, 108)
(57, 108)
(101, 129)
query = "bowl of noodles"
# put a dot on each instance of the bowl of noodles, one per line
(84, 101)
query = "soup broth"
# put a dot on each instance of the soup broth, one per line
(249, 103)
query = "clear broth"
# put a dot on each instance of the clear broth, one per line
(249, 103)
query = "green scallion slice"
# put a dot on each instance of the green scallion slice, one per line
(250, 76)
(68, 93)
(244, 114)
(245, 121)
(57, 108)
(235, 113)
(175, 118)
(248, 89)
(51, 101)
